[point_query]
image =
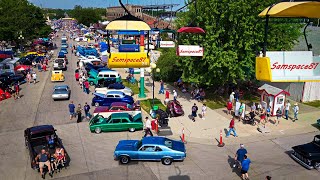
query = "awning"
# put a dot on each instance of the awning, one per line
(128, 23)
(130, 32)
(271, 90)
(302, 9)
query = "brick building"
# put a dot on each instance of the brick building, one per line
(136, 10)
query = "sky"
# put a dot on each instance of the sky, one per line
(69, 4)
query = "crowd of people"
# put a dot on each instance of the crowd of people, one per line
(77, 113)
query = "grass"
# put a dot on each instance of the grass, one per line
(133, 87)
(146, 104)
(313, 103)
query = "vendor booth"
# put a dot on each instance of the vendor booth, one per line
(273, 97)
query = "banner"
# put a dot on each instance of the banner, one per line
(128, 60)
(189, 50)
(167, 44)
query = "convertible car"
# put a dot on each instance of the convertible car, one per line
(150, 148)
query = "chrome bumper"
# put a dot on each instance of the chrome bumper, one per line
(301, 162)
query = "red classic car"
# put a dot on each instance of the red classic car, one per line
(117, 107)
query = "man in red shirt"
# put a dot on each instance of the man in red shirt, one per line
(17, 89)
(86, 85)
(229, 107)
(232, 128)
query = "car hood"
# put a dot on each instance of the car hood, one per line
(126, 145)
(178, 146)
(93, 73)
(308, 149)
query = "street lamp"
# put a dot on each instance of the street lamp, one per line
(153, 70)
(21, 38)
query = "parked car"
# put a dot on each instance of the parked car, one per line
(37, 138)
(64, 45)
(61, 92)
(126, 90)
(57, 76)
(97, 77)
(89, 66)
(174, 108)
(117, 107)
(308, 155)
(110, 97)
(150, 148)
(116, 122)
(318, 122)
(59, 64)
(10, 78)
(64, 50)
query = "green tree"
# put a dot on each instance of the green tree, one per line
(233, 30)
(169, 71)
(85, 16)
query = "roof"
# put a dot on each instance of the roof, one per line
(119, 104)
(101, 109)
(41, 128)
(116, 92)
(271, 90)
(119, 115)
(63, 86)
(153, 140)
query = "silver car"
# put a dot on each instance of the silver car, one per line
(61, 92)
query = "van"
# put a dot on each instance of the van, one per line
(95, 77)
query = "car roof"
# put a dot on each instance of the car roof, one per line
(101, 109)
(119, 104)
(153, 140)
(37, 129)
(64, 86)
(116, 92)
(119, 115)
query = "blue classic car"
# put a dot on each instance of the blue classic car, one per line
(112, 96)
(150, 149)
(64, 50)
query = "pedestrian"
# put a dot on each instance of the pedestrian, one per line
(175, 95)
(279, 115)
(29, 77)
(259, 108)
(253, 107)
(286, 112)
(239, 157)
(245, 165)
(71, 109)
(194, 110)
(203, 111)
(80, 81)
(161, 91)
(83, 86)
(295, 112)
(86, 86)
(44, 67)
(229, 107)
(263, 116)
(236, 95)
(34, 77)
(148, 127)
(86, 108)
(79, 111)
(17, 90)
(231, 97)
(232, 128)
(241, 111)
(13, 90)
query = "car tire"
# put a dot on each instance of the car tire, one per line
(96, 104)
(97, 130)
(317, 166)
(166, 161)
(132, 129)
(124, 159)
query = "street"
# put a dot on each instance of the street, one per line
(92, 154)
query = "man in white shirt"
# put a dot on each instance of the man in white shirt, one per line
(148, 127)
(231, 97)
(295, 111)
(175, 94)
(286, 112)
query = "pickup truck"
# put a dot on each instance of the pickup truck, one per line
(308, 155)
(37, 138)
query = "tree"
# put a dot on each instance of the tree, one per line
(166, 63)
(85, 16)
(233, 31)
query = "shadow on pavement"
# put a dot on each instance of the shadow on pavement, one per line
(231, 162)
(165, 131)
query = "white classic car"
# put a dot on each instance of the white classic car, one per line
(126, 90)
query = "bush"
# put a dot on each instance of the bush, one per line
(169, 72)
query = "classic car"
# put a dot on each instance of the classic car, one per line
(126, 90)
(318, 122)
(10, 78)
(117, 107)
(116, 122)
(97, 77)
(37, 138)
(61, 92)
(64, 45)
(57, 76)
(64, 50)
(89, 66)
(174, 108)
(308, 155)
(150, 148)
(110, 97)
(59, 64)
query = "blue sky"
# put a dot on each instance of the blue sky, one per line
(69, 4)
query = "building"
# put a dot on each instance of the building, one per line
(137, 11)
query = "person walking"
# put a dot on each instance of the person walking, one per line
(80, 81)
(175, 95)
(241, 111)
(245, 165)
(29, 78)
(161, 91)
(268, 111)
(79, 113)
(239, 156)
(71, 109)
(17, 90)
(279, 115)
(229, 107)
(286, 112)
(295, 112)
(34, 77)
(232, 129)
(194, 110)
(148, 127)
(86, 108)
(86, 86)
(203, 111)
(231, 97)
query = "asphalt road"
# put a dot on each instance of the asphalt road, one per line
(92, 154)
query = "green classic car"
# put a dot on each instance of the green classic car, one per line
(116, 122)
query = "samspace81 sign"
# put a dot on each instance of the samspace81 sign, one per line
(129, 60)
(288, 66)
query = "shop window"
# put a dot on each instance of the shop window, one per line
(280, 100)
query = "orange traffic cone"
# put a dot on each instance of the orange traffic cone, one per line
(182, 136)
(221, 144)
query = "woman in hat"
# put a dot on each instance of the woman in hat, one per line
(295, 111)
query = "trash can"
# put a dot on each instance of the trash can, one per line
(153, 124)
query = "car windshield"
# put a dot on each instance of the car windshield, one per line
(59, 61)
(317, 140)
(60, 91)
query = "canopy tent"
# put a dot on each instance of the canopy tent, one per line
(196, 30)
(128, 23)
(298, 9)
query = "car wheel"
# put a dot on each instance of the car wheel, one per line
(97, 130)
(96, 104)
(132, 129)
(166, 161)
(317, 165)
(124, 159)
(91, 83)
